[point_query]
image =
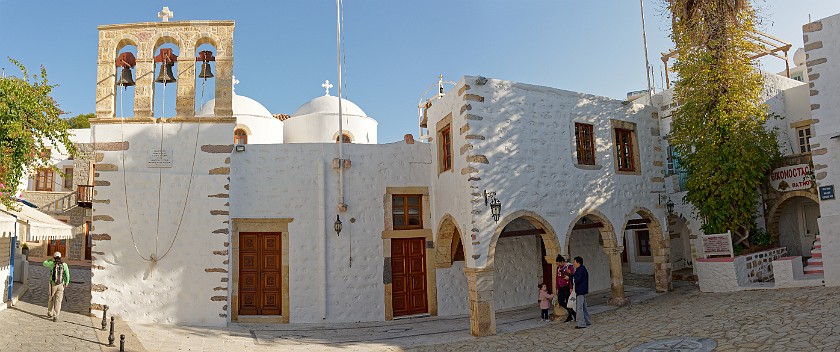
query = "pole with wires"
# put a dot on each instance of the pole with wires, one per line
(647, 60)
(341, 206)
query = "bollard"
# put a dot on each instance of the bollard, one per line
(104, 320)
(122, 342)
(111, 334)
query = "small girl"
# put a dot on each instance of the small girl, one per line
(545, 301)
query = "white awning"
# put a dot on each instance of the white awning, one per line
(40, 226)
(7, 225)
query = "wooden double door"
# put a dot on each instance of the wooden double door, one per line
(260, 273)
(408, 276)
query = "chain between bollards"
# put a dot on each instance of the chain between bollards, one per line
(111, 334)
(122, 342)
(104, 320)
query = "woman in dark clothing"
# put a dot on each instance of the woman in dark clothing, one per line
(564, 274)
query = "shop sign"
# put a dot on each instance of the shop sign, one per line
(791, 178)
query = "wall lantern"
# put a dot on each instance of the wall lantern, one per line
(337, 225)
(670, 206)
(494, 203)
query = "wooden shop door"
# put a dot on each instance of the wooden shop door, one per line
(57, 246)
(259, 273)
(408, 268)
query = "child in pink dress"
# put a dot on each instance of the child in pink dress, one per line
(545, 301)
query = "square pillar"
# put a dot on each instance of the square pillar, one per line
(482, 310)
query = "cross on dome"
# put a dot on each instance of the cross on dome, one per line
(165, 14)
(327, 87)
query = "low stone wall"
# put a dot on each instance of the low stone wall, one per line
(788, 272)
(734, 274)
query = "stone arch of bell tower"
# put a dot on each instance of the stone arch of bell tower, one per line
(147, 36)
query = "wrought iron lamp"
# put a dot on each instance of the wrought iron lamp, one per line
(337, 225)
(494, 203)
(670, 206)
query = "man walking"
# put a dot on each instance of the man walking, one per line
(59, 279)
(581, 280)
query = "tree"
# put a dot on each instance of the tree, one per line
(29, 117)
(81, 120)
(719, 132)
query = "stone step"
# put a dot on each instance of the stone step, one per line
(815, 263)
(815, 254)
(819, 271)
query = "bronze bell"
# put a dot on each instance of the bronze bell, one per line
(166, 75)
(125, 78)
(205, 71)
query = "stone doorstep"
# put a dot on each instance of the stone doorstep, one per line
(132, 343)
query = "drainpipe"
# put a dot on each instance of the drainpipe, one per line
(322, 220)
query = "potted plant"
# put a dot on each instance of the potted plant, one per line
(24, 249)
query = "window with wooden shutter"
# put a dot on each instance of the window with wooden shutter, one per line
(624, 149)
(407, 211)
(585, 141)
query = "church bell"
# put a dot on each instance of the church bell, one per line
(205, 71)
(125, 78)
(165, 76)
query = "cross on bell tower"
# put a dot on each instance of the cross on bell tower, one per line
(165, 14)
(327, 87)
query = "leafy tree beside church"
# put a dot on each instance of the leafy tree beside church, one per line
(719, 136)
(29, 116)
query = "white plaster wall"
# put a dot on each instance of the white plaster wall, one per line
(525, 133)
(453, 291)
(637, 265)
(824, 70)
(584, 244)
(178, 289)
(518, 272)
(322, 128)
(680, 249)
(5, 268)
(283, 181)
(791, 228)
(717, 276)
(260, 130)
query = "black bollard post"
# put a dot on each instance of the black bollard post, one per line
(111, 334)
(122, 342)
(104, 319)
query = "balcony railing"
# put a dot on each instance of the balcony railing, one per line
(84, 196)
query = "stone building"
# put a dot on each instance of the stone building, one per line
(823, 59)
(235, 214)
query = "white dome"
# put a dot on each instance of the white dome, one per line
(242, 106)
(799, 57)
(328, 104)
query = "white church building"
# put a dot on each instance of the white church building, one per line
(226, 212)
(234, 214)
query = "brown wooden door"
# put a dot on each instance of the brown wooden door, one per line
(548, 275)
(88, 241)
(259, 273)
(57, 246)
(408, 267)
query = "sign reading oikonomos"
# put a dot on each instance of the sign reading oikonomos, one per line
(791, 178)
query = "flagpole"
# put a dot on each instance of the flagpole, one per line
(647, 60)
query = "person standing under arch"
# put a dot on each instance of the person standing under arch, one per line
(565, 271)
(581, 282)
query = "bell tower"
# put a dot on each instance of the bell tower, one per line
(147, 37)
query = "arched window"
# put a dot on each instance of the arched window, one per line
(346, 138)
(240, 137)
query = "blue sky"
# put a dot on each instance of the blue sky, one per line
(394, 50)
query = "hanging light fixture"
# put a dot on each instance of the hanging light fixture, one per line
(126, 61)
(205, 57)
(337, 225)
(494, 203)
(670, 206)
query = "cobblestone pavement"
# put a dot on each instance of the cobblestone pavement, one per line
(76, 295)
(25, 326)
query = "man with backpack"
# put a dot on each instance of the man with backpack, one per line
(59, 279)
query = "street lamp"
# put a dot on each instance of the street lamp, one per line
(337, 225)
(494, 203)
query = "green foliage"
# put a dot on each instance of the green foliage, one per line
(29, 116)
(719, 132)
(80, 121)
(760, 237)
